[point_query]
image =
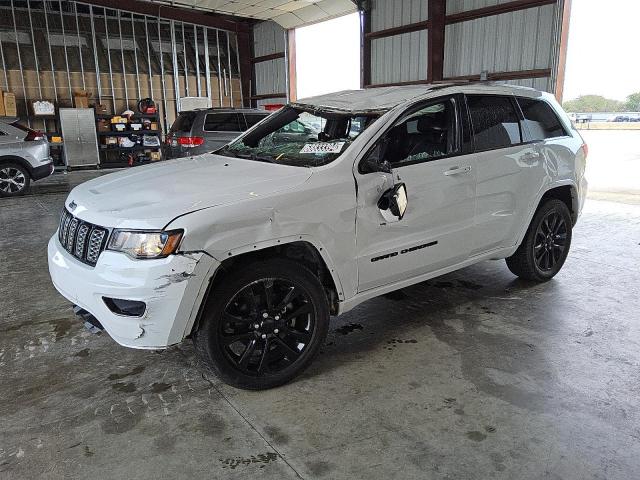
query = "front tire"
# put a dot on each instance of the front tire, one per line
(14, 180)
(263, 325)
(545, 246)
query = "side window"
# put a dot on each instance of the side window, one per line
(222, 122)
(540, 120)
(425, 134)
(494, 122)
(253, 118)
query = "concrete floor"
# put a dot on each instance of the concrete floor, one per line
(472, 375)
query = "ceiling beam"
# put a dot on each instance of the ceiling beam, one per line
(501, 8)
(197, 17)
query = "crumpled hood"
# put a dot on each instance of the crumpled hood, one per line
(153, 195)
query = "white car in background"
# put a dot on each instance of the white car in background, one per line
(251, 249)
(24, 157)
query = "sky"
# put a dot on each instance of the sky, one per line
(328, 56)
(602, 55)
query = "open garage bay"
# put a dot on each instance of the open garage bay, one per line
(471, 375)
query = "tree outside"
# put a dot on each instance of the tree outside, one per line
(598, 103)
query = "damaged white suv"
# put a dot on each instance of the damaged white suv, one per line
(326, 203)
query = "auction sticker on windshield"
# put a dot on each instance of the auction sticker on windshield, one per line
(323, 147)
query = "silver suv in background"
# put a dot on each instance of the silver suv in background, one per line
(24, 157)
(202, 131)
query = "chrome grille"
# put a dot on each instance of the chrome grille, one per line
(84, 240)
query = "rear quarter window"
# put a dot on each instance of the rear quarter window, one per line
(494, 121)
(223, 122)
(540, 120)
(183, 123)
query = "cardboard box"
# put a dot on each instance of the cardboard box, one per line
(101, 109)
(81, 99)
(104, 126)
(10, 108)
(2, 112)
(154, 156)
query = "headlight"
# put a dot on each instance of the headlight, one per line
(141, 244)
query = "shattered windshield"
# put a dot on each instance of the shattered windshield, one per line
(298, 137)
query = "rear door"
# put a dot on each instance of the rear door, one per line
(509, 171)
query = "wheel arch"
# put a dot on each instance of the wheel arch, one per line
(6, 159)
(300, 249)
(568, 194)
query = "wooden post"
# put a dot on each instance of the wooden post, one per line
(435, 34)
(562, 53)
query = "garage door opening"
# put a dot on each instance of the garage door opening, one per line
(328, 56)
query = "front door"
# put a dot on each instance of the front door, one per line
(426, 150)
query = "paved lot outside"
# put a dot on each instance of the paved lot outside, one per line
(613, 164)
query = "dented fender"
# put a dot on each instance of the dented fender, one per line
(321, 212)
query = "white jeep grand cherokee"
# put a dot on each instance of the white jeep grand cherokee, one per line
(326, 203)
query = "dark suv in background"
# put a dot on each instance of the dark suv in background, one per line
(202, 131)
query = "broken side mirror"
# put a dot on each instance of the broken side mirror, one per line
(393, 203)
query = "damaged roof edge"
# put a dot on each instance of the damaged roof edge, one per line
(378, 100)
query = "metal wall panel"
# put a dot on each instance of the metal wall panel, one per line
(271, 77)
(457, 6)
(543, 83)
(400, 58)
(396, 13)
(514, 41)
(268, 38)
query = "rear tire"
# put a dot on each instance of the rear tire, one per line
(263, 325)
(545, 246)
(14, 180)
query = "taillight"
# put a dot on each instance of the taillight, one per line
(190, 142)
(33, 135)
(585, 149)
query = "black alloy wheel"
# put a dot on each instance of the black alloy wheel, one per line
(263, 323)
(545, 245)
(550, 241)
(267, 326)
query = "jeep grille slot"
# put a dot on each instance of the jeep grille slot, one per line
(84, 240)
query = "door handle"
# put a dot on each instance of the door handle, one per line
(457, 171)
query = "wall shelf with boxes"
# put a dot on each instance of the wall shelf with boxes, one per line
(128, 139)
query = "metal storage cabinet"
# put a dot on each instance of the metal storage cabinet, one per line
(79, 136)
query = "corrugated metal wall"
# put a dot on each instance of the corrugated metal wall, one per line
(396, 13)
(398, 58)
(509, 42)
(270, 76)
(518, 44)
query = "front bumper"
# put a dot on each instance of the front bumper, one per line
(171, 287)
